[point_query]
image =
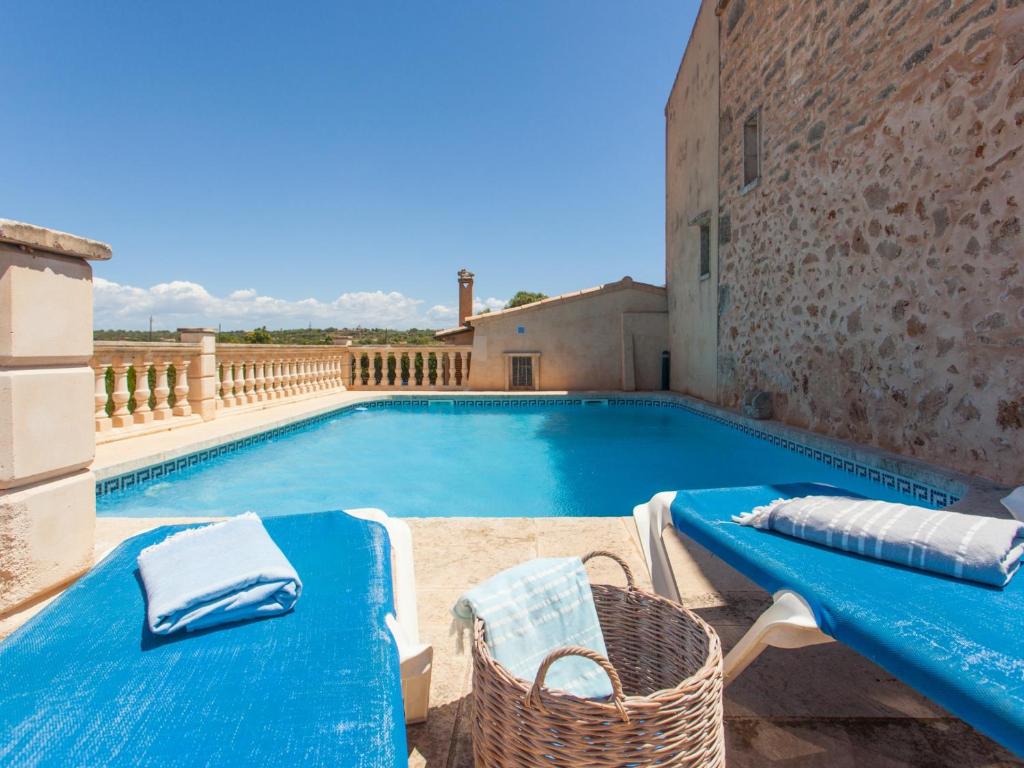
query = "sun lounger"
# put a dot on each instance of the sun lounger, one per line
(86, 683)
(957, 642)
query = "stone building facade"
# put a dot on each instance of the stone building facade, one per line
(871, 276)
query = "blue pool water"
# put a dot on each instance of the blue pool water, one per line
(462, 462)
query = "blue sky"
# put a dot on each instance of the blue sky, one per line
(339, 162)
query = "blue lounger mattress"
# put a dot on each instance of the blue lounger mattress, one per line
(959, 643)
(85, 683)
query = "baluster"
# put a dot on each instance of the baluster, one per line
(261, 381)
(99, 368)
(161, 410)
(449, 379)
(121, 417)
(181, 404)
(307, 376)
(143, 414)
(249, 382)
(227, 386)
(329, 373)
(239, 381)
(273, 379)
(287, 379)
(318, 374)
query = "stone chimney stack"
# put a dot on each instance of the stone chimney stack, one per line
(465, 295)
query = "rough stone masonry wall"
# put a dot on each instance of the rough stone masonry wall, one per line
(874, 279)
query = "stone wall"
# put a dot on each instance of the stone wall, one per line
(691, 198)
(873, 280)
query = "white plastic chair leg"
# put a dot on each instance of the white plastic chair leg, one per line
(416, 661)
(651, 521)
(789, 623)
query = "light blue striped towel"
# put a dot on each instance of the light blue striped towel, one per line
(983, 549)
(219, 573)
(535, 608)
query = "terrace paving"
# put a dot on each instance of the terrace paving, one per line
(819, 706)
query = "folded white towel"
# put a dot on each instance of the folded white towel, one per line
(985, 549)
(219, 573)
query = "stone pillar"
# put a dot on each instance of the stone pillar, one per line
(47, 430)
(202, 371)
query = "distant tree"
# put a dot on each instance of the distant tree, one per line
(260, 336)
(524, 297)
(484, 311)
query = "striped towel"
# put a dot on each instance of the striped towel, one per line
(535, 608)
(984, 549)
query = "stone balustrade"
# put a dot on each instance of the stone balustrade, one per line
(145, 386)
(410, 367)
(256, 373)
(139, 383)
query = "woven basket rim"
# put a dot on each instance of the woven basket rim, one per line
(711, 666)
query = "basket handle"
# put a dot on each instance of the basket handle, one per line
(630, 581)
(533, 697)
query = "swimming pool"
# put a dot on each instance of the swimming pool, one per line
(462, 460)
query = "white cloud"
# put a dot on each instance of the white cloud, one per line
(442, 313)
(183, 304)
(493, 304)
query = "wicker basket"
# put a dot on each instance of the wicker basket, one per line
(665, 665)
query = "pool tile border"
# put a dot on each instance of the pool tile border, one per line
(921, 491)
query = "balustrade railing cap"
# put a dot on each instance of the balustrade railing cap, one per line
(37, 238)
(142, 345)
(197, 330)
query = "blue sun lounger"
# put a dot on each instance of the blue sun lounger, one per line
(85, 683)
(957, 642)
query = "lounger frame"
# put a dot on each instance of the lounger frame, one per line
(416, 657)
(788, 623)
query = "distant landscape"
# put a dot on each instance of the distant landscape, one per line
(286, 336)
(263, 335)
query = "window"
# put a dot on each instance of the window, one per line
(522, 372)
(752, 149)
(705, 249)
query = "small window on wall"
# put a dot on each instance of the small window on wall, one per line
(705, 249)
(521, 372)
(752, 149)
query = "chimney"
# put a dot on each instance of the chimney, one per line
(465, 295)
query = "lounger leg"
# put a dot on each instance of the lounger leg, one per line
(651, 521)
(789, 623)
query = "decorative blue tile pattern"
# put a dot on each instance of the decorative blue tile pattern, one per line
(928, 494)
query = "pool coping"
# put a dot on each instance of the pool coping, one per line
(926, 482)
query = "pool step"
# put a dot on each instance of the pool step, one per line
(440, 403)
(596, 401)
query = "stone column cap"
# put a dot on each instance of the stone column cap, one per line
(52, 241)
(197, 330)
